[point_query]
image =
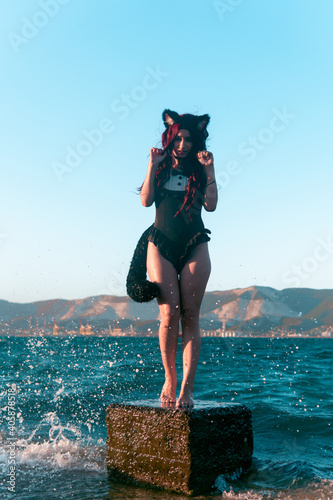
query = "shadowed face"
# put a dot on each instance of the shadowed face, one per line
(182, 144)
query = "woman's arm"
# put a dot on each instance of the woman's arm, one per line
(210, 200)
(147, 192)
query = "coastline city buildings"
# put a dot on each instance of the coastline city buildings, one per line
(113, 329)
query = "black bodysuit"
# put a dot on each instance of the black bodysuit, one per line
(177, 235)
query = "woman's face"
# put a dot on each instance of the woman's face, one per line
(182, 144)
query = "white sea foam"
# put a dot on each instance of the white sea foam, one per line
(58, 446)
(62, 455)
(321, 490)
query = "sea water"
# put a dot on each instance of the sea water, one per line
(55, 391)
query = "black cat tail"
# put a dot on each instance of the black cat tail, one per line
(138, 287)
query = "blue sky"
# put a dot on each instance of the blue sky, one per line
(83, 87)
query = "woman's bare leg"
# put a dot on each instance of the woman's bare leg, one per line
(162, 272)
(193, 281)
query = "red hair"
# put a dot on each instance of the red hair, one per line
(169, 135)
(193, 169)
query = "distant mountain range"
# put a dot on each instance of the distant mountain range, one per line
(251, 310)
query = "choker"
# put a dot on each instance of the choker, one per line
(176, 171)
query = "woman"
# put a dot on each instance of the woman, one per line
(180, 180)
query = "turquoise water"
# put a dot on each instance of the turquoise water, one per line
(55, 391)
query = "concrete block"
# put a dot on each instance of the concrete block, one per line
(182, 450)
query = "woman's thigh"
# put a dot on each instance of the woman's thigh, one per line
(162, 272)
(194, 277)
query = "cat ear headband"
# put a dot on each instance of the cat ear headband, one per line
(199, 123)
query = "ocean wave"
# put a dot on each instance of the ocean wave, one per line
(56, 445)
(321, 490)
(267, 479)
(62, 396)
(62, 455)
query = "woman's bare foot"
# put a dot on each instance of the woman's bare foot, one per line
(168, 394)
(185, 397)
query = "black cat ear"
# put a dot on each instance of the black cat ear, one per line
(170, 117)
(203, 122)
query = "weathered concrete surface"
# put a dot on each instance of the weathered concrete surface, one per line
(183, 450)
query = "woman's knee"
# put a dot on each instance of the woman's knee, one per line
(170, 315)
(190, 315)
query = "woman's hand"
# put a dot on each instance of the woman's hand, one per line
(148, 187)
(156, 156)
(205, 158)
